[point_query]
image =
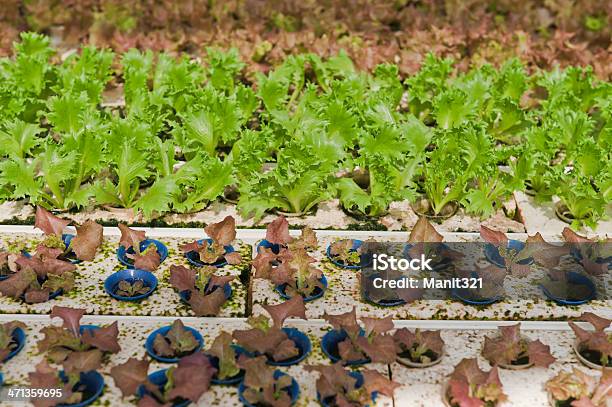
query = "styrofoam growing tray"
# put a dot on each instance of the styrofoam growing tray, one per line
(419, 387)
(343, 292)
(134, 331)
(89, 282)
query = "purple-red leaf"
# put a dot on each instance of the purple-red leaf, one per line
(49, 223)
(130, 375)
(131, 237)
(290, 308)
(278, 231)
(103, 338)
(222, 233)
(87, 240)
(70, 316)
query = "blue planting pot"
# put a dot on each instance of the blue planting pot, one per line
(111, 284)
(492, 253)
(159, 379)
(577, 279)
(383, 303)
(366, 260)
(330, 401)
(93, 383)
(293, 390)
(19, 337)
(301, 342)
(317, 292)
(186, 294)
(462, 294)
(439, 266)
(214, 361)
(1, 379)
(129, 263)
(163, 331)
(194, 258)
(575, 252)
(267, 245)
(67, 238)
(329, 345)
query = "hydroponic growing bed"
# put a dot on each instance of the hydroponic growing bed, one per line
(198, 227)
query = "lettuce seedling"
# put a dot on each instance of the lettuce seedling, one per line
(337, 385)
(178, 342)
(594, 253)
(149, 259)
(186, 381)
(510, 348)
(419, 346)
(223, 350)
(203, 288)
(261, 387)
(222, 234)
(85, 244)
(47, 377)
(342, 250)
(594, 345)
(291, 265)
(39, 275)
(578, 389)
(7, 344)
(69, 344)
(269, 339)
(127, 289)
(375, 343)
(295, 269)
(470, 386)
(512, 257)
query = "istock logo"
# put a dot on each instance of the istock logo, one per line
(384, 262)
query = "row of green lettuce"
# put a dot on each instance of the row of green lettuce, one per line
(191, 130)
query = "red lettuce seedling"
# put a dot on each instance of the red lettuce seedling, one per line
(7, 343)
(425, 240)
(149, 259)
(510, 348)
(594, 345)
(590, 251)
(127, 289)
(178, 342)
(66, 344)
(342, 251)
(376, 344)
(223, 350)
(578, 389)
(85, 244)
(222, 234)
(336, 386)
(269, 339)
(261, 388)
(420, 347)
(39, 275)
(295, 270)
(187, 381)
(204, 288)
(47, 377)
(469, 386)
(277, 232)
(512, 257)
